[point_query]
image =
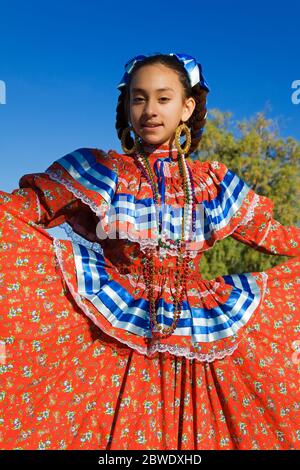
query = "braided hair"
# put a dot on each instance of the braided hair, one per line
(197, 120)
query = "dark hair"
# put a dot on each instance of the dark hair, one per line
(196, 121)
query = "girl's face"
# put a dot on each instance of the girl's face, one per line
(156, 98)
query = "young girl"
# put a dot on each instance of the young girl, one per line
(112, 339)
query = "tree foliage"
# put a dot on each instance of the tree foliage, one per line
(254, 150)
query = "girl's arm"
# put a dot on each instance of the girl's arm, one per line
(78, 187)
(266, 234)
(40, 200)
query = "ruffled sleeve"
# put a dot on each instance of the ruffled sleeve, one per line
(39, 200)
(236, 210)
(83, 177)
(266, 234)
(223, 202)
(91, 175)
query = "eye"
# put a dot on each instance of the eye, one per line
(164, 98)
(137, 98)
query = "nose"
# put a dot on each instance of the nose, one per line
(150, 108)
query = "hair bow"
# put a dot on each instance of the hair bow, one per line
(192, 67)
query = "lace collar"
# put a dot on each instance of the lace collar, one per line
(160, 151)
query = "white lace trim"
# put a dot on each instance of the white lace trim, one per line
(164, 252)
(180, 351)
(77, 298)
(250, 212)
(145, 244)
(156, 347)
(248, 216)
(266, 233)
(56, 176)
(81, 240)
(264, 276)
(148, 243)
(130, 277)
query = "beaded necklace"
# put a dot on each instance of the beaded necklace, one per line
(182, 267)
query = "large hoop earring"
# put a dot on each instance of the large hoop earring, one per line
(123, 139)
(183, 127)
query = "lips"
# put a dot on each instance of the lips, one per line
(150, 126)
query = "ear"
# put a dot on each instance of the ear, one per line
(188, 108)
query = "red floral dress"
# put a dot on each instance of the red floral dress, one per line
(80, 367)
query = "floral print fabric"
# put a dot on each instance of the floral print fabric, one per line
(70, 379)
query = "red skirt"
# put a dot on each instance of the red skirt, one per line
(65, 384)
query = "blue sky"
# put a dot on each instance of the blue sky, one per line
(62, 60)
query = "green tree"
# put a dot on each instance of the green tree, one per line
(269, 164)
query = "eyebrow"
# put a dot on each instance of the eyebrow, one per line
(158, 89)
